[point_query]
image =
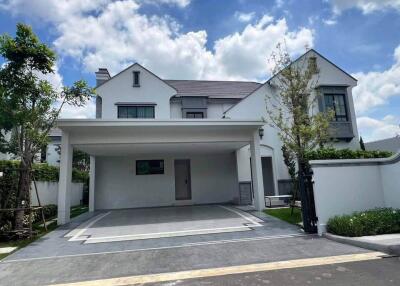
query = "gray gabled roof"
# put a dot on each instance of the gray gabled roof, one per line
(389, 144)
(213, 89)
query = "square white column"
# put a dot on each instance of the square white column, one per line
(257, 174)
(64, 184)
(92, 178)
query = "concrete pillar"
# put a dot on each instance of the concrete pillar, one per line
(257, 174)
(64, 184)
(92, 177)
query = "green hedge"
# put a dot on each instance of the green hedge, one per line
(43, 171)
(332, 153)
(371, 222)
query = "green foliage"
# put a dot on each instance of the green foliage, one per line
(332, 153)
(80, 176)
(44, 172)
(290, 161)
(29, 104)
(9, 186)
(291, 111)
(371, 222)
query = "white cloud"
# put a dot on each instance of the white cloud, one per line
(88, 111)
(179, 3)
(372, 129)
(55, 78)
(330, 22)
(376, 88)
(244, 17)
(366, 6)
(113, 34)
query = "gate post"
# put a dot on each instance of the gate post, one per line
(307, 200)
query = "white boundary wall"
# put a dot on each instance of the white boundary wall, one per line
(345, 186)
(48, 192)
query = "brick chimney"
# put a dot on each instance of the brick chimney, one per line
(102, 75)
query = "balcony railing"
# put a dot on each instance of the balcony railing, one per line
(341, 130)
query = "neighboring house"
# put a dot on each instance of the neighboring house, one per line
(389, 144)
(49, 155)
(158, 142)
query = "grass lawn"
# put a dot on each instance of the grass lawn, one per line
(75, 211)
(285, 214)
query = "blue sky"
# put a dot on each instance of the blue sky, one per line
(233, 39)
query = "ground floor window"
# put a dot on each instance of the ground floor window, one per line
(149, 167)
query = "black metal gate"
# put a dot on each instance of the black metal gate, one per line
(307, 201)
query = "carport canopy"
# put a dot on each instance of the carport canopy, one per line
(99, 137)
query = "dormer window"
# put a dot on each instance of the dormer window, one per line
(136, 78)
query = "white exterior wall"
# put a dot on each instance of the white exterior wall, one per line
(345, 186)
(255, 107)
(175, 110)
(213, 179)
(120, 89)
(214, 110)
(390, 175)
(48, 193)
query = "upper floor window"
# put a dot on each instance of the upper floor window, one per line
(135, 111)
(136, 78)
(194, 114)
(337, 103)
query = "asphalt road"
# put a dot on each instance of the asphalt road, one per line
(366, 273)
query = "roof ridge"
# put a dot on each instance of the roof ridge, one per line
(213, 80)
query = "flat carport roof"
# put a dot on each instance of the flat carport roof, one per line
(152, 136)
(120, 137)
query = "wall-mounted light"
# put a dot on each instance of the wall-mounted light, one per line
(261, 132)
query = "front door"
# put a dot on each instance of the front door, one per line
(183, 190)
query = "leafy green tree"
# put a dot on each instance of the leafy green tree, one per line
(29, 104)
(293, 110)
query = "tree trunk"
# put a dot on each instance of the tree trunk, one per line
(24, 183)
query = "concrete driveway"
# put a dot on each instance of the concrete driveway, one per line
(135, 224)
(155, 244)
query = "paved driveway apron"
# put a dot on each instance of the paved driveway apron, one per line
(58, 257)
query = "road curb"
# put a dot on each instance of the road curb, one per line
(389, 249)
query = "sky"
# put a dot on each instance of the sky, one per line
(222, 40)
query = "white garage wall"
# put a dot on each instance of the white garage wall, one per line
(345, 186)
(214, 180)
(48, 192)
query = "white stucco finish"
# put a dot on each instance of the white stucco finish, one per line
(255, 106)
(120, 89)
(345, 186)
(390, 175)
(48, 193)
(213, 177)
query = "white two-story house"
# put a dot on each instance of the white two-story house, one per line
(158, 142)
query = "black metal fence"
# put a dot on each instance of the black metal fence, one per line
(306, 188)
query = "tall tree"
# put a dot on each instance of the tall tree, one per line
(29, 104)
(293, 110)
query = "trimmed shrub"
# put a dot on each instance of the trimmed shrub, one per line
(9, 185)
(370, 222)
(332, 153)
(44, 172)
